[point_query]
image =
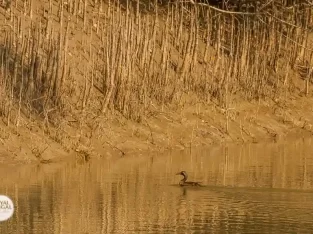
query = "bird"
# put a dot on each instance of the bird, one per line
(188, 183)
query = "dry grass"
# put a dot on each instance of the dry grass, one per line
(79, 59)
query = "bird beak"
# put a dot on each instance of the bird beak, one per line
(178, 173)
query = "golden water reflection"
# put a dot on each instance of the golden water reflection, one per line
(249, 189)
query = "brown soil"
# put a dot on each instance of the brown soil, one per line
(195, 125)
(192, 123)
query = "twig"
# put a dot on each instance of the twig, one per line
(115, 147)
(220, 10)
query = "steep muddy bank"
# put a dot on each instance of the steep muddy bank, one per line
(84, 79)
(192, 126)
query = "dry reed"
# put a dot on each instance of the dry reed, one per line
(139, 53)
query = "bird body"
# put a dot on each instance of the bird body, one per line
(184, 181)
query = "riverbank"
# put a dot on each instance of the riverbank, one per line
(82, 80)
(196, 125)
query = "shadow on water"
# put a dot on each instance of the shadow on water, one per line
(246, 189)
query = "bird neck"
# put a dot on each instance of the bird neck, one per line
(185, 178)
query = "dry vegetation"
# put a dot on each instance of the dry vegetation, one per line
(69, 65)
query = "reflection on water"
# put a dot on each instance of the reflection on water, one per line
(249, 189)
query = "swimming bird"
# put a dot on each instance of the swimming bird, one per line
(188, 183)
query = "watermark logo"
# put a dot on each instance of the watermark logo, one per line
(6, 208)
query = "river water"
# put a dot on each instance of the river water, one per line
(257, 188)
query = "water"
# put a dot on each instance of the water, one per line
(248, 189)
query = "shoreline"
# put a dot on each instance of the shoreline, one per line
(159, 134)
(103, 81)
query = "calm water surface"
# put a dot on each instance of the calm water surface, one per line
(248, 189)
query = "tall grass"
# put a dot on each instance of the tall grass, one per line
(142, 53)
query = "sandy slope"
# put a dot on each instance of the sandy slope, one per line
(193, 123)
